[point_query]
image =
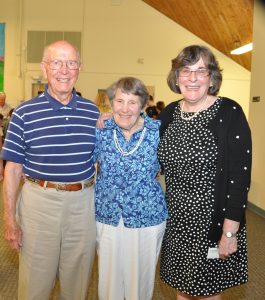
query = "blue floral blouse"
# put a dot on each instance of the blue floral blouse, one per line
(126, 186)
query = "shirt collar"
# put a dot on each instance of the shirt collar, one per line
(56, 105)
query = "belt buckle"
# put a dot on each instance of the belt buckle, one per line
(60, 187)
(89, 183)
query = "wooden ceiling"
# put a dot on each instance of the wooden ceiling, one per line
(223, 24)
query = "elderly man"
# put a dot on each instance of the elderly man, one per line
(4, 107)
(52, 222)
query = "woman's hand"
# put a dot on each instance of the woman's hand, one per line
(228, 245)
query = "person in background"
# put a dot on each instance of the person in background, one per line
(150, 101)
(159, 106)
(205, 150)
(102, 102)
(4, 107)
(151, 109)
(6, 123)
(152, 112)
(1, 126)
(130, 203)
(51, 139)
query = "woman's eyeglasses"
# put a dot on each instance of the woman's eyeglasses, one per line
(186, 72)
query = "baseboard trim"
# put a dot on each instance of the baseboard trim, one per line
(259, 211)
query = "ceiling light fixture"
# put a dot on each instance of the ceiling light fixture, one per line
(243, 49)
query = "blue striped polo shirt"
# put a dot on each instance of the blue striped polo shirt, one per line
(52, 141)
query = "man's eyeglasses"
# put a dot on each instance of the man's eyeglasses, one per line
(57, 64)
(186, 72)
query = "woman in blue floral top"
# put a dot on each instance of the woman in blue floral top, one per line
(130, 203)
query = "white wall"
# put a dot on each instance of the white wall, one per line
(257, 109)
(13, 82)
(114, 38)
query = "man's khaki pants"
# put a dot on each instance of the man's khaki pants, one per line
(58, 240)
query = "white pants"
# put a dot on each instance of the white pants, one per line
(127, 260)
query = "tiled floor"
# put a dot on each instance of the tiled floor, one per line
(254, 290)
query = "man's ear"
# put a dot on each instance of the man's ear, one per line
(43, 68)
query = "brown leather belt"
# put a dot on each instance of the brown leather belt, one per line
(69, 187)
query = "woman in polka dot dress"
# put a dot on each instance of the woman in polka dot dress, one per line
(205, 149)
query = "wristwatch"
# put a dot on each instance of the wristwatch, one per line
(229, 234)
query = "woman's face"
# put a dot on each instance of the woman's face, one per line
(194, 87)
(126, 110)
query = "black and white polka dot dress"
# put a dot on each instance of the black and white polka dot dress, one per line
(188, 151)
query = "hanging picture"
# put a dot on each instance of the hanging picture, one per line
(2, 55)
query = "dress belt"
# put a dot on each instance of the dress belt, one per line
(69, 187)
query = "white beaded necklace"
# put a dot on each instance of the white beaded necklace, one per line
(195, 114)
(118, 147)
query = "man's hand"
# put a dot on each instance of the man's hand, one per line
(1, 161)
(1, 170)
(103, 117)
(12, 233)
(12, 179)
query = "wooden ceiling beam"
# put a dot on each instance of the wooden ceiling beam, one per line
(221, 24)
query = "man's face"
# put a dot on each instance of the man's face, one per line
(61, 68)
